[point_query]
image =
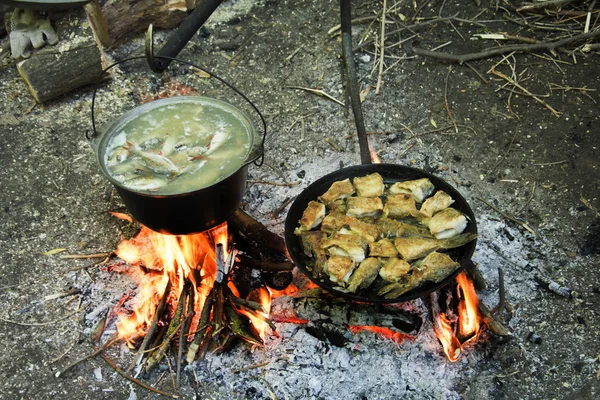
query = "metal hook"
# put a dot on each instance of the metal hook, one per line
(149, 49)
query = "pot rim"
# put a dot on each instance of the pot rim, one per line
(104, 136)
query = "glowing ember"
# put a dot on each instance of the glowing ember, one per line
(467, 323)
(387, 333)
(374, 157)
(157, 259)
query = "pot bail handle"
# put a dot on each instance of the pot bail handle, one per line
(257, 157)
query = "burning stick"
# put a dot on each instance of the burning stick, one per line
(200, 333)
(153, 325)
(174, 326)
(443, 329)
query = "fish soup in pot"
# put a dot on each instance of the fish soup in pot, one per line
(180, 164)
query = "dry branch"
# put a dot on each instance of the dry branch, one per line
(517, 48)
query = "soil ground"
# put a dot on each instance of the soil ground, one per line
(508, 151)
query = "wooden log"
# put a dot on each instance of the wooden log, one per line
(479, 282)
(256, 239)
(97, 22)
(126, 18)
(50, 73)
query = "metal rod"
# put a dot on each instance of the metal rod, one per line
(183, 34)
(352, 81)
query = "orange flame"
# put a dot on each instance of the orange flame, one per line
(257, 318)
(468, 321)
(158, 259)
(445, 333)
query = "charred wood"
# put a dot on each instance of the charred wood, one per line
(493, 324)
(553, 286)
(255, 239)
(479, 282)
(436, 315)
(152, 328)
(266, 265)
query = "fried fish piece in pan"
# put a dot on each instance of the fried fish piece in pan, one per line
(312, 216)
(339, 269)
(312, 244)
(433, 268)
(447, 223)
(394, 269)
(362, 207)
(334, 221)
(412, 248)
(364, 274)
(382, 248)
(391, 228)
(401, 205)
(367, 230)
(419, 188)
(438, 202)
(337, 206)
(350, 245)
(369, 185)
(338, 190)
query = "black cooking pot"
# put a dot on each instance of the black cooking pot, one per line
(192, 211)
(391, 173)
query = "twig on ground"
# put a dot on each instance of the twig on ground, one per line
(85, 256)
(114, 339)
(517, 48)
(446, 99)
(516, 84)
(587, 204)
(550, 163)
(381, 49)
(507, 217)
(553, 286)
(505, 153)
(134, 380)
(263, 364)
(79, 309)
(68, 349)
(477, 72)
(528, 200)
(543, 4)
(318, 92)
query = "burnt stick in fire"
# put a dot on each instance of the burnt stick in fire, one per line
(202, 327)
(152, 328)
(454, 347)
(255, 239)
(479, 282)
(493, 324)
(176, 323)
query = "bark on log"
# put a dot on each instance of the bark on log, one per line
(50, 73)
(258, 241)
(126, 18)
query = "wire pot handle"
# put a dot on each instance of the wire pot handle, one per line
(257, 159)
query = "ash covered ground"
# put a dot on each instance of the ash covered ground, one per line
(509, 156)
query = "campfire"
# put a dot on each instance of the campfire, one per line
(199, 293)
(185, 296)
